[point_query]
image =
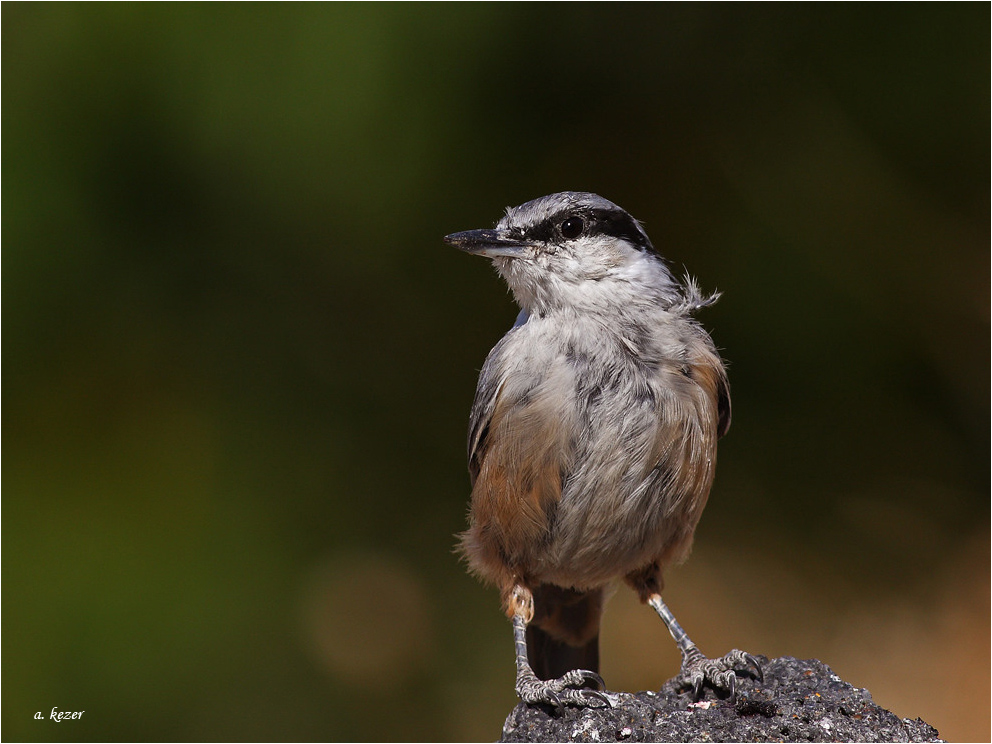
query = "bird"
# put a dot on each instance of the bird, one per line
(592, 439)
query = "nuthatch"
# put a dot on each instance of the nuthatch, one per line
(592, 438)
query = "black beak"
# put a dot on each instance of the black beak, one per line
(488, 243)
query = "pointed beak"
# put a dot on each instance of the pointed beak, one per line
(488, 243)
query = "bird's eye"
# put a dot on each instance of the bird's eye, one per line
(572, 227)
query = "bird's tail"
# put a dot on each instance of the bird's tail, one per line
(564, 634)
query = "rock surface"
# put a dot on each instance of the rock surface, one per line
(798, 701)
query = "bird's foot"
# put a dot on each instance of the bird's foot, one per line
(720, 674)
(561, 691)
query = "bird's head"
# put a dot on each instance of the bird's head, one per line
(572, 249)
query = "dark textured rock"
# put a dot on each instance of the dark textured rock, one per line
(798, 701)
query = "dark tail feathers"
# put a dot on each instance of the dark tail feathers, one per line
(564, 634)
(551, 659)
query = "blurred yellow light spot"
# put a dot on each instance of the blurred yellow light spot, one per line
(366, 619)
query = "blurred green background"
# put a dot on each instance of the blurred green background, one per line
(238, 359)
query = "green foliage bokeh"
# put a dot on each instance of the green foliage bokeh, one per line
(238, 360)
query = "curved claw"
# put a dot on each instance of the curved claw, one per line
(597, 695)
(593, 677)
(697, 688)
(579, 678)
(560, 691)
(585, 697)
(752, 662)
(720, 674)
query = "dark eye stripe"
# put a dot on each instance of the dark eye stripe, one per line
(596, 220)
(619, 225)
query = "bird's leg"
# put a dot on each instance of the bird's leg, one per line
(554, 692)
(697, 670)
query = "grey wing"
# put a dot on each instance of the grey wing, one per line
(723, 405)
(486, 394)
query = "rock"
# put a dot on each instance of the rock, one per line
(798, 701)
